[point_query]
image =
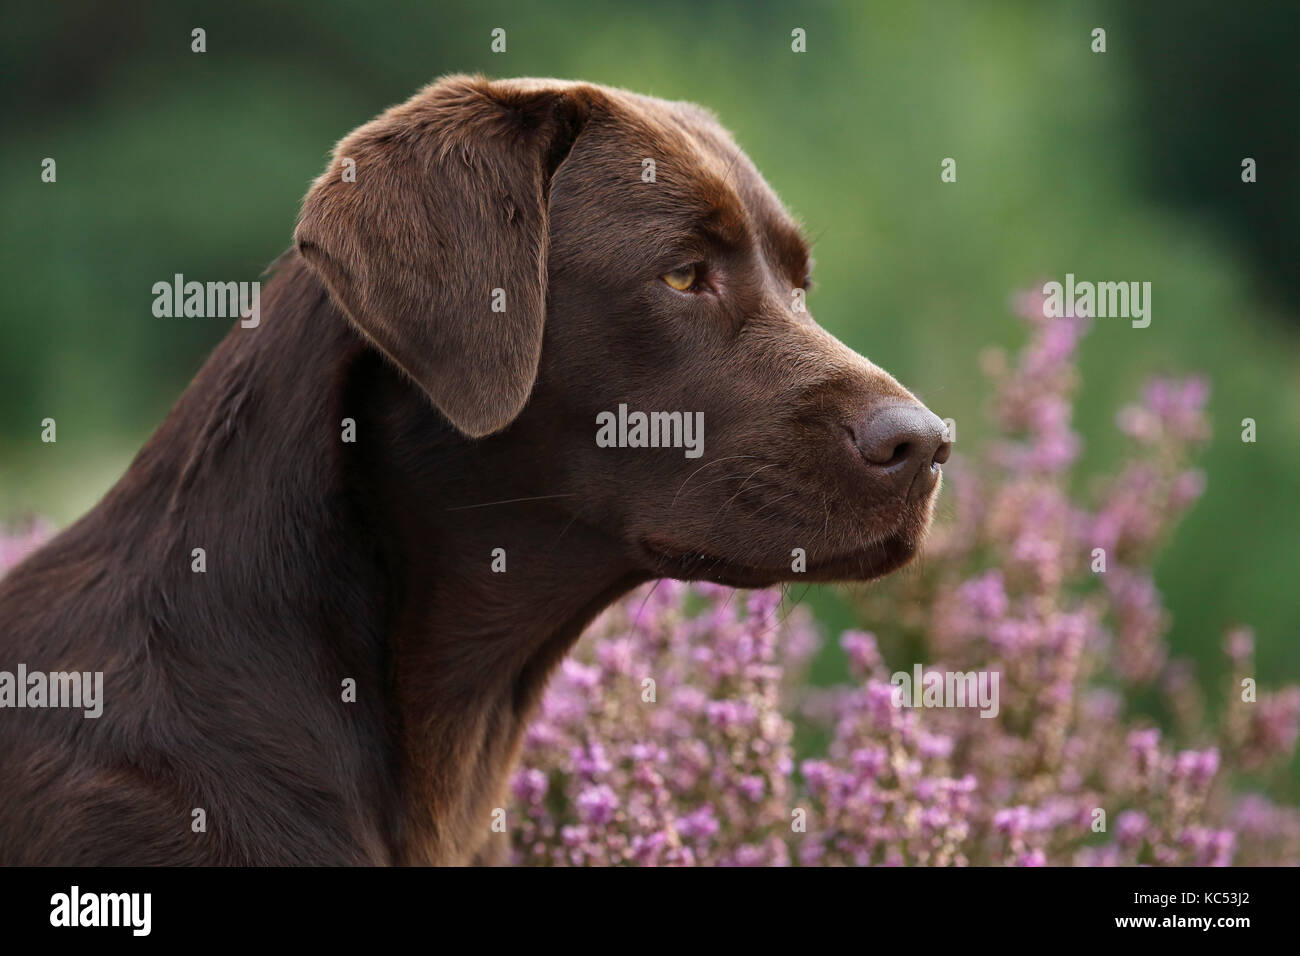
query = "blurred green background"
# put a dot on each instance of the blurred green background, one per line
(1123, 165)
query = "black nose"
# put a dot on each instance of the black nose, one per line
(904, 444)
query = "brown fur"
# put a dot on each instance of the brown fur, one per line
(475, 430)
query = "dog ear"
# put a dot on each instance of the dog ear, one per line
(433, 238)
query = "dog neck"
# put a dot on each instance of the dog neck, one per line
(495, 581)
(473, 649)
(440, 574)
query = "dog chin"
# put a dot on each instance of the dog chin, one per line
(670, 560)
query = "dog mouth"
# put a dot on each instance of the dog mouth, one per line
(672, 560)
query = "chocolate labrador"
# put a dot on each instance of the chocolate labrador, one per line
(537, 342)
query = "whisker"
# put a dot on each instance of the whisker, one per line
(652, 590)
(742, 488)
(714, 481)
(701, 468)
(772, 502)
(730, 165)
(507, 501)
(797, 602)
(563, 531)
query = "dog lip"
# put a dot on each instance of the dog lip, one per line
(876, 560)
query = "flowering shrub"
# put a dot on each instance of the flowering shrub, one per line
(663, 740)
(22, 540)
(668, 735)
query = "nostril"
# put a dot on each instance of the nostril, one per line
(900, 440)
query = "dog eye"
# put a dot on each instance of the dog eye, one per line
(683, 279)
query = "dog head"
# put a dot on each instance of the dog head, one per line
(606, 281)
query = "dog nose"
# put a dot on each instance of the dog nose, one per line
(902, 442)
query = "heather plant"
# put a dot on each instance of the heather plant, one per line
(21, 539)
(667, 737)
(663, 740)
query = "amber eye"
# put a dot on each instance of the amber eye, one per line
(681, 279)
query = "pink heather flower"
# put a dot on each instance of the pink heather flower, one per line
(1179, 406)
(861, 650)
(1239, 643)
(1141, 623)
(26, 538)
(1197, 766)
(597, 805)
(1209, 847)
(1276, 723)
(1013, 821)
(985, 596)
(580, 676)
(1139, 423)
(869, 761)
(1187, 488)
(529, 786)
(1131, 827)
(753, 787)
(1144, 745)
(699, 825)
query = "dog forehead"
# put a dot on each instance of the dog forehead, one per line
(683, 136)
(648, 154)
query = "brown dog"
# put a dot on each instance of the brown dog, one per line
(516, 268)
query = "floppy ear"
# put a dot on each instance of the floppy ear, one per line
(437, 251)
